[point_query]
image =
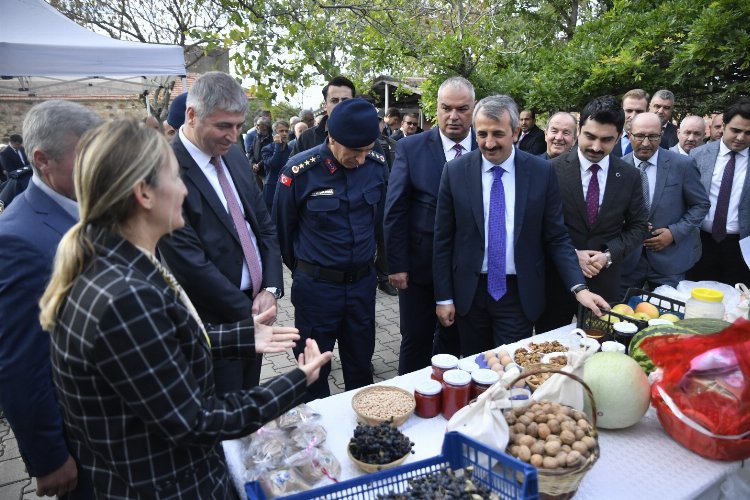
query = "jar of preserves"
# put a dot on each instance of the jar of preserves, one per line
(442, 363)
(482, 380)
(429, 398)
(705, 303)
(456, 391)
(624, 332)
(468, 365)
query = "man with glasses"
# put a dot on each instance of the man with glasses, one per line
(409, 126)
(676, 202)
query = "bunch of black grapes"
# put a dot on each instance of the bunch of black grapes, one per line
(379, 444)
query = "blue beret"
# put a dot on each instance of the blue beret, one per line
(176, 115)
(354, 123)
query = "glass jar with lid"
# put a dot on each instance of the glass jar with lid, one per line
(442, 363)
(482, 380)
(428, 397)
(705, 303)
(456, 391)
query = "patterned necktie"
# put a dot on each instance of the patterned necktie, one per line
(719, 229)
(592, 195)
(459, 149)
(176, 288)
(644, 185)
(251, 257)
(496, 285)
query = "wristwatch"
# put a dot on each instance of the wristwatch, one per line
(579, 288)
(277, 294)
(608, 254)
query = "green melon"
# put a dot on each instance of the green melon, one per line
(695, 326)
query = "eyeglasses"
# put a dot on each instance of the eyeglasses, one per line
(412, 124)
(643, 137)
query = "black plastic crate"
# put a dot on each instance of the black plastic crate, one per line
(588, 321)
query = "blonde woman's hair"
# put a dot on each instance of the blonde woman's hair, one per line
(110, 160)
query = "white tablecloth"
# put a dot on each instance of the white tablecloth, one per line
(641, 462)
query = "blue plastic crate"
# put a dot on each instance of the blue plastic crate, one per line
(508, 477)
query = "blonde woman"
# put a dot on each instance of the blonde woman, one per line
(131, 359)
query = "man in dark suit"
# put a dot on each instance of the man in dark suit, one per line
(663, 105)
(12, 157)
(603, 209)
(492, 233)
(676, 202)
(634, 102)
(30, 230)
(531, 139)
(410, 219)
(227, 256)
(409, 126)
(723, 165)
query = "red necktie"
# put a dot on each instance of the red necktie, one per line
(251, 256)
(592, 195)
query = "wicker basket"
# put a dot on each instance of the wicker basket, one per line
(379, 393)
(561, 484)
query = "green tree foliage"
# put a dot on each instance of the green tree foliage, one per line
(698, 49)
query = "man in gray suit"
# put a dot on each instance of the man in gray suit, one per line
(690, 134)
(676, 202)
(723, 166)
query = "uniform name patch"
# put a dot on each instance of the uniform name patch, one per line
(323, 192)
(285, 180)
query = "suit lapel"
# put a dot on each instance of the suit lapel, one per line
(523, 181)
(662, 172)
(473, 176)
(611, 188)
(192, 171)
(436, 148)
(242, 183)
(570, 183)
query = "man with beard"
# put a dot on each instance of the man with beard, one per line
(603, 207)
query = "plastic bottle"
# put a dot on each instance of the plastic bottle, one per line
(705, 303)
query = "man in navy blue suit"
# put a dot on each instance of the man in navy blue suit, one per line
(410, 219)
(30, 230)
(499, 213)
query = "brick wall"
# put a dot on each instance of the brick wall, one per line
(13, 110)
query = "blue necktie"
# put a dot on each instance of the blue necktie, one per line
(496, 285)
(628, 149)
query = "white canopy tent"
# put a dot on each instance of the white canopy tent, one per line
(44, 52)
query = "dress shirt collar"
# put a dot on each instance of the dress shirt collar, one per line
(70, 206)
(508, 165)
(585, 163)
(202, 159)
(724, 150)
(682, 151)
(449, 143)
(651, 160)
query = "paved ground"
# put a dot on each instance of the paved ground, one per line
(15, 483)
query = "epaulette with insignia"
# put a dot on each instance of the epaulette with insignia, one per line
(296, 169)
(376, 156)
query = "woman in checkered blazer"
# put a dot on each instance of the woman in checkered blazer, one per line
(131, 358)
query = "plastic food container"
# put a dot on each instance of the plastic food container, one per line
(705, 303)
(429, 398)
(442, 363)
(624, 332)
(456, 391)
(482, 380)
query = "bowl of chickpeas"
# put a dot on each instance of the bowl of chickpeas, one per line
(383, 403)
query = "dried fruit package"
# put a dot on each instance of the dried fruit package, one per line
(703, 398)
